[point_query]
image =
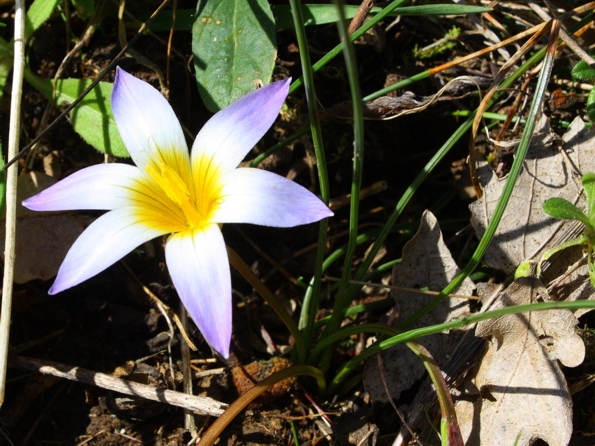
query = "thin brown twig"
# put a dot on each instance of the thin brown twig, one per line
(87, 34)
(358, 20)
(160, 305)
(87, 90)
(200, 404)
(169, 42)
(569, 41)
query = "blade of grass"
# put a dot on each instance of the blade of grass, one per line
(523, 148)
(336, 50)
(449, 428)
(341, 303)
(310, 304)
(346, 369)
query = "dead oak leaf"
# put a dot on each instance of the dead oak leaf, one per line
(525, 229)
(427, 262)
(524, 395)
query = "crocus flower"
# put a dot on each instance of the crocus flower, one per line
(170, 191)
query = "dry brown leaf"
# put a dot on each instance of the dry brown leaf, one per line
(574, 284)
(525, 229)
(43, 239)
(427, 262)
(523, 392)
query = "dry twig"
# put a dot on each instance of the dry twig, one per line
(200, 404)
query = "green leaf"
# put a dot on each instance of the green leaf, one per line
(591, 105)
(583, 72)
(589, 186)
(323, 14)
(92, 118)
(592, 277)
(233, 42)
(564, 210)
(580, 240)
(39, 12)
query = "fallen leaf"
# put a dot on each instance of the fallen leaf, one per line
(427, 262)
(525, 231)
(42, 239)
(572, 283)
(523, 392)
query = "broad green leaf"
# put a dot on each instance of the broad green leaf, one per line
(323, 14)
(39, 12)
(589, 186)
(591, 105)
(92, 118)
(233, 42)
(583, 72)
(564, 209)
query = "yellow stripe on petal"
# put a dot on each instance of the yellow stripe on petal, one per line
(164, 199)
(177, 191)
(208, 185)
(154, 208)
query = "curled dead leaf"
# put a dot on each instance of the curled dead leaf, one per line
(520, 373)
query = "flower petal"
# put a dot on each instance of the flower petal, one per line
(232, 132)
(264, 198)
(103, 243)
(148, 125)
(102, 187)
(199, 268)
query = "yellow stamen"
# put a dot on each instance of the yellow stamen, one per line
(176, 190)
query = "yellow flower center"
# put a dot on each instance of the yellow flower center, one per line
(176, 190)
(196, 201)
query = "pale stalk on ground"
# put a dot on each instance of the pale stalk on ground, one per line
(11, 187)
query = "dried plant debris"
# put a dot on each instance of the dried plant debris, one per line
(521, 393)
(42, 241)
(427, 262)
(525, 230)
(387, 107)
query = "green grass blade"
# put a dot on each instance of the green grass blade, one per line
(534, 114)
(310, 304)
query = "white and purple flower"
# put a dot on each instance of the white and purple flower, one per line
(170, 191)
